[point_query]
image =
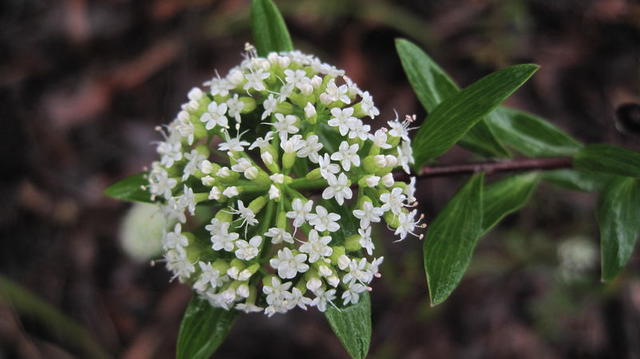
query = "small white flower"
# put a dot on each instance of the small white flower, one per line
(230, 192)
(179, 264)
(170, 152)
(316, 247)
(195, 158)
(393, 201)
(352, 293)
(269, 105)
(368, 214)
(185, 127)
(387, 180)
(175, 240)
(261, 142)
(232, 144)
(322, 298)
(309, 110)
(300, 212)
(279, 235)
(246, 251)
(365, 240)
(338, 188)
(407, 224)
(357, 129)
(246, 215)
(310, 149)
(235, 106)
(277, 296)
(248, 308)
(285, 125)
(296, 298)
(255, 80)
(347, 155)
(215, 116)
(209, 278)
(357, 272)
(372, 181)
(379, 139)
(405, 156)
(293, 144)
(399, 129)
(222, 239)
(341, 118)
(410, 190)
(323, 220)
(277, 178)
(274, 192)
(187, 200)
(289, 264)
(367, 105)
(326, 167)
(334, 93)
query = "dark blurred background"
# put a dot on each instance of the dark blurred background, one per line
(83, 83)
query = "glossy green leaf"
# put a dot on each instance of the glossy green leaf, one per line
(130, 189)
(619, 221)
(578, 180)
(451, 239)
(456, 115)
(269, 30)
(608, 159)
(531, 135)
(203, 329)
(506, 196)
(352, 325)
(432, 86)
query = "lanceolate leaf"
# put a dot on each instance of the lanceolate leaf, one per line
(456, 115)
(203, 329)
(432, 86)
(531, 135)
(619, 220)
(506, 196)
(269, 30)
(451, 238)
(608, 159)
(352, 325)
(578, 180)
(130, 189)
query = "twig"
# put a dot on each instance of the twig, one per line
(525, 164)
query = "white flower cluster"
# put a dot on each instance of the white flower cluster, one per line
(233, 169)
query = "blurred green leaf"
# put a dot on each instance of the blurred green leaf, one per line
(130, 189)
(432, 86)
(451, 238)
(578, 180)
(269, 30)
(456, 115)
(56, 322)
(203, 329)
(506, 196)
(352, 325)
(619, 220)
(531, 135)
(608, 159)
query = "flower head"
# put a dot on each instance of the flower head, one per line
(261, 172)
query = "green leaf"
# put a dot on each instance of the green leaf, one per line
(352, 325)
(451, 238)
(130, 189)
(203, 329)
(456, 115)
(531, 135)
(432, 86)
(619, 220)
(269, 30)
(608, 159)
(578, 180)
(506, 196)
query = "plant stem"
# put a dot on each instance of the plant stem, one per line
(524, 164)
